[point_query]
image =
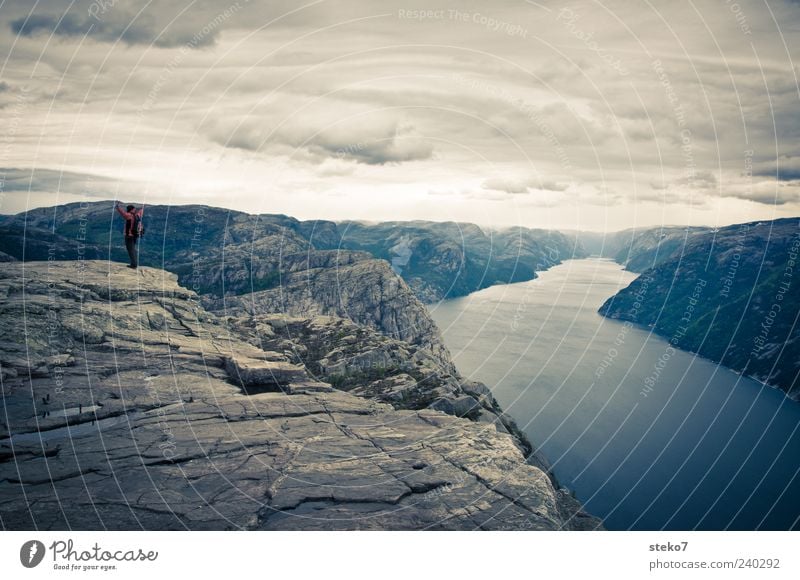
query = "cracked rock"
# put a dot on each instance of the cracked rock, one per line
(140, 426)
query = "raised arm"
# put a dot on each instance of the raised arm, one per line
(122, 212)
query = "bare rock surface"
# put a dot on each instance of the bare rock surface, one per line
(126, 405)
(347, 285)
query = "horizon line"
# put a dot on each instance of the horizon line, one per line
(376, 222)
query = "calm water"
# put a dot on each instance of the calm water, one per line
(705, 449)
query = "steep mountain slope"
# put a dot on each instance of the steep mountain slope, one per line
(643, 249)
(730, 295)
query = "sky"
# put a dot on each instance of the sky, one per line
(569, 115)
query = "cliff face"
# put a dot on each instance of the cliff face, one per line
(362, 361)
(349, 286)
(730, 295)
(141, 410)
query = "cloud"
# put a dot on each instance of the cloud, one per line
(507, 185)
(769, 192)
(691, 191)
(698, 180)
(372, 141)
(323, 131)
(526, 185)
(672, 195)
(785, 168)
(335, 168)
(115, 25)
(444, 193)
(248, 133)
(16, 179)
(395, 145)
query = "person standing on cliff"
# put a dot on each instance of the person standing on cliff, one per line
(133, 230)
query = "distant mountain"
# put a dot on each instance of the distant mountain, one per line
(599, 244)
(449, 259)
(640, 249)
(732, 295)
(221, 252)
(637, 248)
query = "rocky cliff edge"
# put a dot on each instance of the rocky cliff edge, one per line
(126, 405)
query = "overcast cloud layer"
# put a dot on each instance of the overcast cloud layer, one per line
(587, 115)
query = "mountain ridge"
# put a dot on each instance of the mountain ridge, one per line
(729, 295)
(437, 259)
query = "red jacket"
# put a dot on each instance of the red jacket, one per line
(129, 217)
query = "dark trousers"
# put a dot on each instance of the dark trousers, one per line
(130, 245)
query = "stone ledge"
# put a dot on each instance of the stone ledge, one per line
(252, 372)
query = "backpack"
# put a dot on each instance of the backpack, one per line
(138, 226)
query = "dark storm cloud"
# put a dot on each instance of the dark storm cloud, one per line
(115, 26)
(6, 94)
(395, 146)
(788, 174)
(783, 173)
(15, 179)
(382, 141)
(786, 168)
(766, 192)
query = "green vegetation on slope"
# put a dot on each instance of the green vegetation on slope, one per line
(731, 295)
